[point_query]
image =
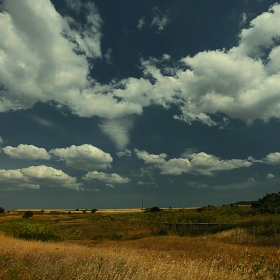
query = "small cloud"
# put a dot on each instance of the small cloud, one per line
(150, 158)
(43, 122)
(189, 152)
(243, 19)
(254, 160)
(251, 180)
(110, 186)
(270, 176)
(272, 159)
(243, 185)
(166, 56)
(198, 185)
(1, 141)
(160, 20)
(108, 56)
(118, 130)
(141, 23)
(126, 153)
(110, 179)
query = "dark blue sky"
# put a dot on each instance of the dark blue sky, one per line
(103, 103)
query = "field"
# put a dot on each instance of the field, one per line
(214, 243)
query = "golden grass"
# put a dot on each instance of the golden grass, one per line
(163, 257)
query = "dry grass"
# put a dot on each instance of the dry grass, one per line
(166, 257)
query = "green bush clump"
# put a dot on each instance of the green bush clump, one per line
(270, 203)
(33, 231)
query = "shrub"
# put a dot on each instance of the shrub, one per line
(270, 203)
(33, 231)
(2, 210)
(27, 214)
(153, 209)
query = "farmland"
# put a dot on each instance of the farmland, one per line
(209, 243)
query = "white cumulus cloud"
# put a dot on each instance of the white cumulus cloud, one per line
(272, 158)
(110, 179)
(196, 163)
(35, 176)
(150, 158)
(242, 82)
(270, 176)
(43, 57)
(27, 152)
(83, 157)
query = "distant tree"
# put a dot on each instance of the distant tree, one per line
(270, 203)
(2, 210)
(27, 214)
(93, 210)
(153, 209)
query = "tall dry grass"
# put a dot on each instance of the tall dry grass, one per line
(165, 257)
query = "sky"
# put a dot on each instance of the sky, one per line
(105, 103)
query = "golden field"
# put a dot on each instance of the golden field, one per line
(128, 250)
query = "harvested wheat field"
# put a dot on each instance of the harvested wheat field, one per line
(166, 257)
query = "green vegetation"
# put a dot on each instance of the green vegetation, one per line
(263, 228)
(229, 241)
(35, 230)
(270, 203)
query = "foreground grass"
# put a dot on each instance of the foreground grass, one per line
(141, 246)
(165, 257)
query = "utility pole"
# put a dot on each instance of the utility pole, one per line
(142, 204)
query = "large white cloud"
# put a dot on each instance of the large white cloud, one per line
(27, 152)
(196, 163)
(83, 157)
(243, 82)
(39, 60)
(36, 61)
(112, 178)
(43, 57)
(34, 176)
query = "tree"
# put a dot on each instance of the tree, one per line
(270, 203)
(27, 214)
(153, 209)
(2, 210)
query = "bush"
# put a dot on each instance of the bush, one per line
(2, 210)
(27, 214)
(33, 231)
(270, 203)
(153, 209)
